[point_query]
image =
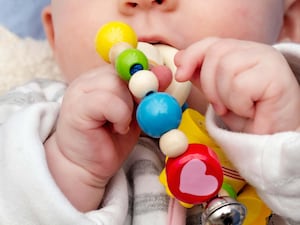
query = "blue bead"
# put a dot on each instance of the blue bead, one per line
(158, 113)
(184, 106)
(135, 68)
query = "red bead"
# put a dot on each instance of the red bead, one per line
(195, 176)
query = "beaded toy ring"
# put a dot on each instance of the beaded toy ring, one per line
(193, 173)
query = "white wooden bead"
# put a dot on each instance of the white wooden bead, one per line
(173, 143)
(116, 50)
(143, 82)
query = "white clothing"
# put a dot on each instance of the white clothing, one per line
(30, 196)
(270, 163)
(23, 200)
(28, 193)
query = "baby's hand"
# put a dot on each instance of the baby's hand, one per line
(95, 133)
(250, 85)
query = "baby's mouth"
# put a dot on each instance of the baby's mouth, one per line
(158, 49)
(155, 40)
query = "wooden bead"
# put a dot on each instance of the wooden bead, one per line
(158, 113)
(111, 34)
(143, 82)
(129, 62)
(173, 143)
(196, 176)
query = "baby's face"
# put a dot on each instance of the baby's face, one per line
(174, 22)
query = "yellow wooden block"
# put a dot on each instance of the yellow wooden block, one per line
(257, 210)
(193, 125)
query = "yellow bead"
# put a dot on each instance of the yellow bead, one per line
(111, 34)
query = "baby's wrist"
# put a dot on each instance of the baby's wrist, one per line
(83, 189)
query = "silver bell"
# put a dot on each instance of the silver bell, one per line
(224, 211)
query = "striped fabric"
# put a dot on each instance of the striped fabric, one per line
(148, 203)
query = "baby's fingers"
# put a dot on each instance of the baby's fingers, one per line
(239, 85)
(102, 107)
(189, 61)
(232, 77)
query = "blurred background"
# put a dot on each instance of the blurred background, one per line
(23, 17)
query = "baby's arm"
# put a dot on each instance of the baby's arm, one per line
(268, 162)
(94, 134)
(250, 85)
(27, 118)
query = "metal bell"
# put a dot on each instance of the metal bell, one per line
(224, 211)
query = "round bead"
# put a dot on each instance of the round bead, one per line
(143, 82)
(129, 62)
(111, 34)
(158, 113)
(196, 176)
(173, 143)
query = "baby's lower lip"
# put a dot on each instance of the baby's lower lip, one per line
(154, 41)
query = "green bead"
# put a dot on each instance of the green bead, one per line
(229, 189)
(128, 60)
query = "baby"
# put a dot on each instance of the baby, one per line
(73, 148)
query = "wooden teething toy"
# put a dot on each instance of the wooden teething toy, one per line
(193, 173)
